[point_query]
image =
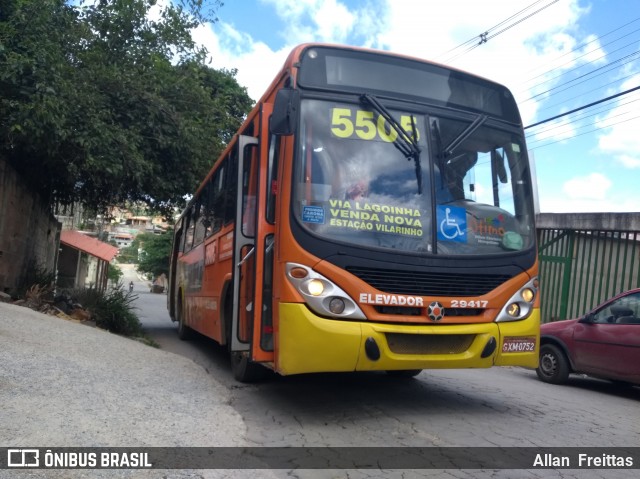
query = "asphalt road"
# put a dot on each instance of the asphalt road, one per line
(63, 383)
(439, 408)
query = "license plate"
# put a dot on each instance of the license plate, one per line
(519, 345)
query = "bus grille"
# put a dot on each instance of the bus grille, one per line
(428, 284)
(411, 311)
(400, 343)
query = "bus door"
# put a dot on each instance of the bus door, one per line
(251, 338)
(244, 252)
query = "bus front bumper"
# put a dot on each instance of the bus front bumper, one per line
(308, 343)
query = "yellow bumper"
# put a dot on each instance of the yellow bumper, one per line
(308, 343)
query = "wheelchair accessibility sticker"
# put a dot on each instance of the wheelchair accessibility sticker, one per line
(452, 223)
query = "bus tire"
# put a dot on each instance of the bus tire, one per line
(184, 332)
(243, 369)
(404, 373)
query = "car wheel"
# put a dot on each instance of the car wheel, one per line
(554, 365)
(404, 373)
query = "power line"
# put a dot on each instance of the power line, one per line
(582, 94)
(485, 36)
(592, 74)
(475, 38)
(568, 127)
(577, 58)
(608, 66)
(583, 107)
(585, 133)
(577, 119)
(591, 51)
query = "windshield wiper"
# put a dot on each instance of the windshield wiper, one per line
(408, 145)
(457, 141)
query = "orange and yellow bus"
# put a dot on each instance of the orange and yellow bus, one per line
(373, 212)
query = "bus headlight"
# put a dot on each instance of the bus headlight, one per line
(520, 304)
(315, 287)
(513, 310)
(337, 305)
(322, 295)
(528, 295)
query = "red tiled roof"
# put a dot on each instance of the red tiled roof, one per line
(88, 244)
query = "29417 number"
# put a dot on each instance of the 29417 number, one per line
(474, 303)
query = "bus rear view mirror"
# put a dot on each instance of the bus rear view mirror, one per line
(285, 112)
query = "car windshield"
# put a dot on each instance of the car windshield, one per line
(353, 184)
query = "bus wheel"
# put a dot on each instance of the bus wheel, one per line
(184, 331)
(404, 373)
(243, 369)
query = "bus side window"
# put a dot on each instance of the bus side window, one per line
(272, 178)
(178, 244)
(231, 187)
(188, 237)
(216, 199)
(249, 188)
(199, 221)
(206, 211)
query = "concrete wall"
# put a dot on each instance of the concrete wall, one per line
(29, 233)
(589, 221)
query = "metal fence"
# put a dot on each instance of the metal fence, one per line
(582, 267)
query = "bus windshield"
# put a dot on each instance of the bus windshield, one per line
(469, 193)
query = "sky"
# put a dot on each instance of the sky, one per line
(554, 55)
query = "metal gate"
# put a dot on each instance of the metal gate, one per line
(580, 268)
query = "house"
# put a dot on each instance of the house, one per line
(83, 261)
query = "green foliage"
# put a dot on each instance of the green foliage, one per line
(115, 273)
(111, 310)
(129, 255)
(105, 104)
(156, 253)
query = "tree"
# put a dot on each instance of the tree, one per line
(106, 103)
(129, 254)
(114, 273)
(156, 253)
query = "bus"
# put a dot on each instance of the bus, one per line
(374, 212)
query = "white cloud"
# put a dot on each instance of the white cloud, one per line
(562, 204)
(529, 58)
(255, 62)
(556, 130)
(621, 125)
(590, 187)
(629, 162)
(422, 29)
(314, 20)
(587, 193)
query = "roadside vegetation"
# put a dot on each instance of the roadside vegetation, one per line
(109, 103)
(112, 310)
(149, 252)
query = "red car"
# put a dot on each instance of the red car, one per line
(604, 343)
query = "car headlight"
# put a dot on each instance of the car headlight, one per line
(520, 304)
(322, 295)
